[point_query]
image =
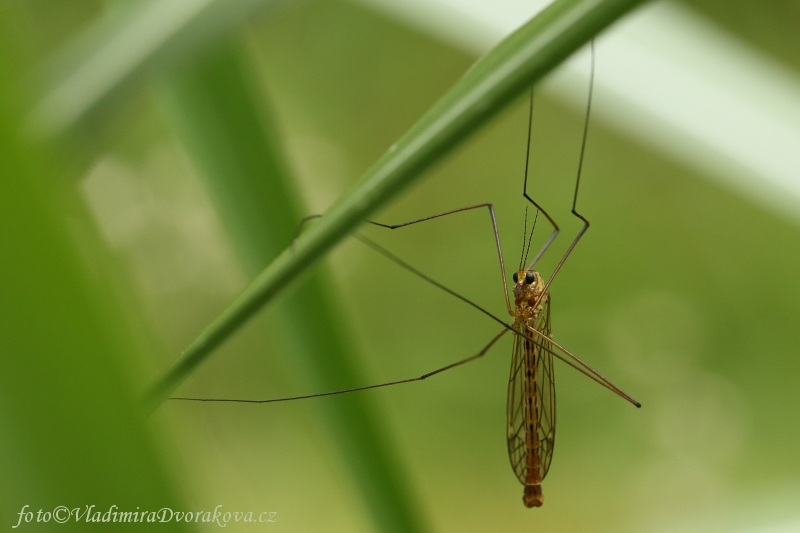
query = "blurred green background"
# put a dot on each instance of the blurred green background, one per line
(160, 205)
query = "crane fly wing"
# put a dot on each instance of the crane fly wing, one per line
(515, 410)
(538, 357)
(546, 382)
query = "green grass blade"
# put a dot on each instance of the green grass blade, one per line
(503, 73)
(228, 129)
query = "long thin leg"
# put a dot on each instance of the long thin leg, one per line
(344, 391)
(301, 225)
(418, 273)
(582, 367)
(382, 250)
(490, 207)
(577, 181)
(525, 194)
(389, 255)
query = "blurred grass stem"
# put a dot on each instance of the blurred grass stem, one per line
(223, 117)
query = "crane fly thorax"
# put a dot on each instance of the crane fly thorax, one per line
(528, 299)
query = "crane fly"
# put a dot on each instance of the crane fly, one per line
(531, 406)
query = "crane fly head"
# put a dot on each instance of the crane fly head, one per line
(528, 286)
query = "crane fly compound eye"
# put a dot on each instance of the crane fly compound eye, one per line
(529, 278)
(515, 277)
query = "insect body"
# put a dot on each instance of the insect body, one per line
(531, 407)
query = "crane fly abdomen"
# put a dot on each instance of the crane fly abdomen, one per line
(531, 407)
